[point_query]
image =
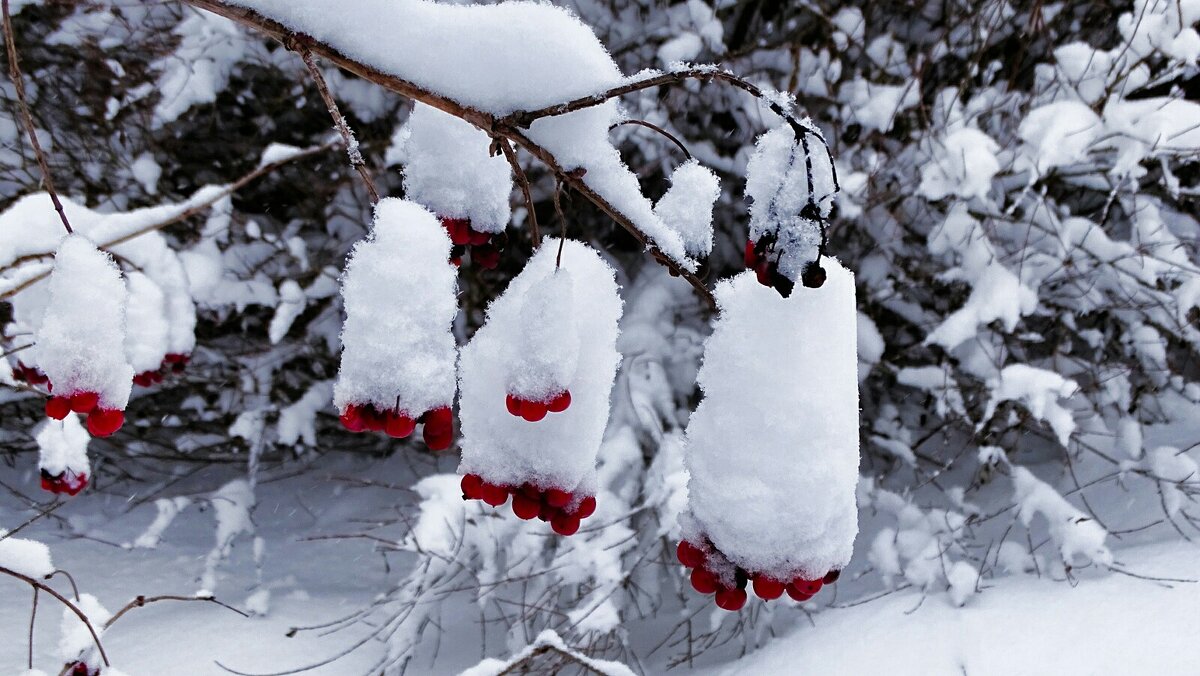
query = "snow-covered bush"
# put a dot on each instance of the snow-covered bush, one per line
(1017, 206)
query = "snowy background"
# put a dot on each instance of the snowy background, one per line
(1017, 206)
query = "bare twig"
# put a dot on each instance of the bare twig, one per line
(523, 181)
(63, 600)
(14, 72)
(671, 137)
(141, 601)
(339, 121)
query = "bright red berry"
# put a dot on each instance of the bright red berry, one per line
(731, 599)
(84, 402)
(398, 425)
(513, 404)
(104, 422)
(557, 497)
(525, 507)
(560, 403)
(533, 411)
(439, 429)
(494, 495)
(459, 229)
(768, 589)
(704, 581)
(372, 419)
(58, 407)
(750, 258)
(810, 587)
(587, 507)
(797, 593)
(352, 419)
(565, 524)
(472, 487)
(690, 555)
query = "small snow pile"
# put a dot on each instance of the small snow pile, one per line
(1055, 135)
(448, 168)
(773, 447)
(1039, 391)
(62, 455)
(963, 164)
(687, 207)
(544, 640)
(298, 421)
(25, 557)
(147, 331)
(1074, 533)
(552, 330)
(81, 340)
(75, 643)
(791, 184)
(1177, 474)
(168, 509)
(398, 352)
(232, 504)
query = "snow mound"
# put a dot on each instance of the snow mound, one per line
(62, 447)
(773, 447)
(687, 208)
(25, 557)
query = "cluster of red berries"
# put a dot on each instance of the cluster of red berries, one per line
(762, 258)
(533, 411)
(31, 375)
(485, 246)
(732, 598)
(101, 422)
(438, 431)
(172, 363)
(81, 669)
(64, 482)
(561, 508)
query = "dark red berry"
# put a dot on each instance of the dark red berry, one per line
(486, 256)
(797, 593)
(547, 512)
(459, 229)
(476, 238)
(372, 419)
(832, 576)
(565, 524)
(557, 497)
(84, 402)
(533, 411)
(143, 379)
(494, 495)
(731, 599)
(525, 507)
(560, 403)
(587, 507)
(810, 587)
(750, 258)
(690, 555)
(704, 581)
(513, 404)
(398, 425)
(439, 428)
(105, 422)
(768, 589)
(58, 407)
(472, 487)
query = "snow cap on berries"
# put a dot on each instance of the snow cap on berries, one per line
(544, 362)
(399, 293)
(147, 331)
(448, 168)
(687, 208)
(81, 340)
(560, 450)
(773, 447)
(62, 447)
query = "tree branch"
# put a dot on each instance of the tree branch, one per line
(63, 600)
(339, 121)
(141, 601)
(523, 181)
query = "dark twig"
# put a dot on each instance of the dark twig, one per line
(66, 602)
(32, 619)
(14, 72)
(523, 181)
(339, 121)
(671, 137)
(141, 601)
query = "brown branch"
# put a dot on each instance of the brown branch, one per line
(32, 619)
(523, 181)
(181, 216)
(141, 601)
(63, 600)
(14, 72)
(339, 121)
(671, 137)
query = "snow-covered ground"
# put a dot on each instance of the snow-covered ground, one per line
(1106, 623)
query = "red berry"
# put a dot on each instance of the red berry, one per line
(731, 599)
(750, 258)
(459, 229)
(142, 379)
(557, 497)
(763, 271)
(73, 483)
(48, 482)
(832, 576)
(586, 508)
(690, 555)
(104, 422)
(560, 403)
(810, 587)
(352, 419)
(84, 402)
(797, 594)
(439, 428)
(768, 589)
(476, 238)
(513, 404)
(486, 256)
(533, 411)
(547, 512)
(58, 407)
(398, 425)
(494, 495)
(472, 487)
(456, 261)
(704, 581)
(525, 507)
(565, 524)
(372, 419)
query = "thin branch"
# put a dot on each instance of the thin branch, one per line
(339, 121)
(14, 72)
(523, 181)
(671, 137)
(63, 600)
(32, 619)
(141, 601)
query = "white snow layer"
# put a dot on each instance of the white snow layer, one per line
(687, 207)
(773, 447)
(447, 168)
(542, 360)
(399, 293)
(62, 445)
(147, 331)
(81, 340)
(25, 557)
(560, 450)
